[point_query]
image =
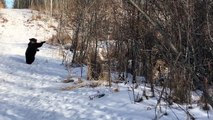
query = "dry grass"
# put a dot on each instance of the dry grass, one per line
(1, 5)
(79, 84)
(73, 87)
(59, 38)
(68, 81)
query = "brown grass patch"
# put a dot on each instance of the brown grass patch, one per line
(68, 81)
(73, 87)
(81, 84)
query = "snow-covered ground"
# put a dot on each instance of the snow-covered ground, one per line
(34, 92)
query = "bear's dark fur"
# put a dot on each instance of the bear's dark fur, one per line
(32, 49)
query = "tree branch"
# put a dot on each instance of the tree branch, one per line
(158, 26)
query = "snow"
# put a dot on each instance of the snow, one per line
(34, 92)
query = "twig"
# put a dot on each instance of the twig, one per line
(174, 113)
(187, 112)
(129, 96)
(158, 102)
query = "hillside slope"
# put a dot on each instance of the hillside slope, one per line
(33, 92)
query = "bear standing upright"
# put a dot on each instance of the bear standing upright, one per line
(32, 49)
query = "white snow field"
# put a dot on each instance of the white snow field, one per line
(34, 92)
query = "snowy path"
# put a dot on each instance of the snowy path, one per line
(33, 92)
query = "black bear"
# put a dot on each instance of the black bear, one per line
(32, 49)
